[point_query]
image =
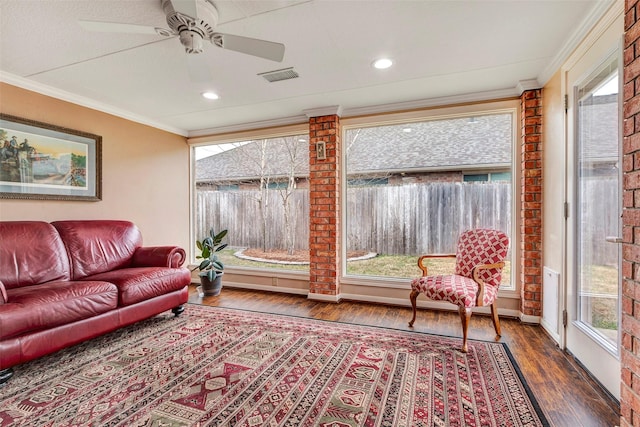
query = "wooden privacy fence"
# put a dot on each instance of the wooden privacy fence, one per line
(410, 219)
(419, 219)
(600, 213)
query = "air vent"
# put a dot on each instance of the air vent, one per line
(277, 75)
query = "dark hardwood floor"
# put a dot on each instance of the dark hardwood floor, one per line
(563, 389)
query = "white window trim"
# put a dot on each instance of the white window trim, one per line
(512, 107)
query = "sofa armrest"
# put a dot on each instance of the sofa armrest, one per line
(159, 256)
(3, 293)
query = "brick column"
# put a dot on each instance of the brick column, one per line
(630, 346)
(324, 212)
(531, 204)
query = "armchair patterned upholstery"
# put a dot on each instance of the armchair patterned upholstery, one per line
(480, 255)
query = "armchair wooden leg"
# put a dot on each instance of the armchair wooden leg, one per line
(413, 297)
(465, 317)
(494, 317)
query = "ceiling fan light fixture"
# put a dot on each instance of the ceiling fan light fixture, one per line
(382, 63)
(210, 95)
(191, 40)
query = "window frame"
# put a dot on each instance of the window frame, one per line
(366, 288)
(228, 138)
(511, 106)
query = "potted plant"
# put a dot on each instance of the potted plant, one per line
(211, 267)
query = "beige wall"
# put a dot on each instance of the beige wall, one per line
(145, 171)
(553, 174)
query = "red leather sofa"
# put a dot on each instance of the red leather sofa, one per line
(68, 281)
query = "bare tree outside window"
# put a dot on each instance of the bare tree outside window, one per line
(268, 178)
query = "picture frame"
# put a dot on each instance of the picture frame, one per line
(41, 161)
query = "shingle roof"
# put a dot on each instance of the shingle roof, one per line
(465, 143)
(471, 142)
(246, 161)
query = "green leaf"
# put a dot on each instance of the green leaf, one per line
(221, 247)
(218, 265)
(206, 253)
(204, 264)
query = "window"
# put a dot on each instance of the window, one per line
(432, 189)
(485, 177)
(228, 187)
(257, 190)
(368, 182)
(282, 185)
(477, 178)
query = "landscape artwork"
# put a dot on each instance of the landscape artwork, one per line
(42, 161)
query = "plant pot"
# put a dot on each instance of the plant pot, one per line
(211, 287)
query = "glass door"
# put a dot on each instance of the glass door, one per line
(594, 262)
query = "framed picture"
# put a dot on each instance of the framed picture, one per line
(40, 161)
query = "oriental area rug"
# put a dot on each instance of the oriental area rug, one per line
(225, 367)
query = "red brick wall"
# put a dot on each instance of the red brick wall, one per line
(630, 346)
(531, 204)
(324, 195)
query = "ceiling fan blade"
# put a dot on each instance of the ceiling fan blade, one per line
(185, 7)
(256, 47)
(116, 27)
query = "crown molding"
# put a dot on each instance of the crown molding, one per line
(43, 89)
(527, 85)
(362, 111)
(598, 11)
(432, 102)
(284, 121)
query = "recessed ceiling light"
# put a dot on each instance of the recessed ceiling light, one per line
(210, 95)
(407, 130)
(382, 63)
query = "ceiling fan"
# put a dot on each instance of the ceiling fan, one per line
(194, 21)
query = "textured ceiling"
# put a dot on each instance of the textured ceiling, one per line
(440, 49)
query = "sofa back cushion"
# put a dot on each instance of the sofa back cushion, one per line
(31, 252)
(96, 246)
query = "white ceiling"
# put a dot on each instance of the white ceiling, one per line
(452, 48)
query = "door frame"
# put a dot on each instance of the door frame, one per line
(595, 54)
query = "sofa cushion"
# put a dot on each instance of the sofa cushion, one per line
(143, 283)
(31, 252)
(96, 246)
(51, 304)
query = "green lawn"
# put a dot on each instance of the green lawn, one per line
(402, 266)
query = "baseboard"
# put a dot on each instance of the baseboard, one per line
(549, 330)
(324, 298)
(266, 288)
(526, 318)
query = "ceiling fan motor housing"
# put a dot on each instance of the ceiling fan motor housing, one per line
(192, 30)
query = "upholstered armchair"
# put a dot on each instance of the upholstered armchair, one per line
(480, 255)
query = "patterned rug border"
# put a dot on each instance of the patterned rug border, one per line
(516, 366)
